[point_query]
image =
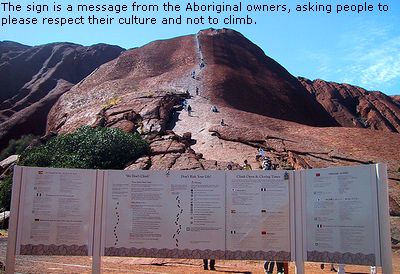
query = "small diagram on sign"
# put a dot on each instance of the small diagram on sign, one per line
(116, 223)
(178, 225)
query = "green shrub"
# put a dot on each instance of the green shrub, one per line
(96, 148)
(17, 146)
(5, 192)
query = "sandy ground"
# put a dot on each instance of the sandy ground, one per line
(58, 264)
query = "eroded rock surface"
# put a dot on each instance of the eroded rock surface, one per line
(33, 78)
(352, 106)
(256, 101)
(240, 100)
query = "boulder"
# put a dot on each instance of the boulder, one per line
(125, 125)
(164, 161)
(187, 161)
(6, 163)
(141, 163)
(166, 146)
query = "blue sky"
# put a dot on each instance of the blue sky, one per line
(357, 48)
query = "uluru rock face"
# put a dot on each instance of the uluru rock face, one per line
(352, 106)
(33, 78)
(258, 104)
(240, 100)
(396, 99)
(132, 88)
(243, 77)
(143, 90)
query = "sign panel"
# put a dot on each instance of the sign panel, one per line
(197, 213)
(176, 214)
(341, 215)
(258, 215)
(134, 212)
(57, 211)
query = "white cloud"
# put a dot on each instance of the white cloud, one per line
(374, 59)
(368, 55)
(382, 64)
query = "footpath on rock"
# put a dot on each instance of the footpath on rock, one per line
(202, 118)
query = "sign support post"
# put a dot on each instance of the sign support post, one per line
(384, 221)
(298, 201)
(13, 224)
(96, 259)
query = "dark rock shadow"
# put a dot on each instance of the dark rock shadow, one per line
(173, 119)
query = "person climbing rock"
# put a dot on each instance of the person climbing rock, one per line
(267, 164)
(261, 152)
(246, 166)
(222, 122)
(184, 104)
(214, 109)
(189, 110)
(197, 91)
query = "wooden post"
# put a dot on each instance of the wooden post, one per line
(299, 224)
(13, 223)
(384, 221)
(96, 254)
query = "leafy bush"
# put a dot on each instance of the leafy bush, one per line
(17, 146)
(96, 148)
(5, 192)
